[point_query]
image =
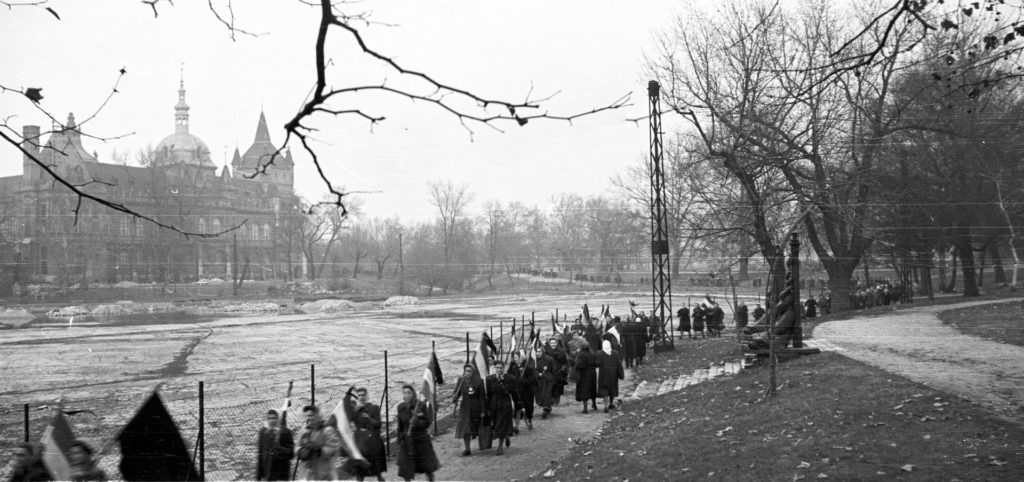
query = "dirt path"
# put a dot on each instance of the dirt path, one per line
(915, 344)
(532, 451)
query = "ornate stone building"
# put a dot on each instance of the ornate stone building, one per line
(44, 240)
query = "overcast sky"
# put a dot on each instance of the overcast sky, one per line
(590, 51)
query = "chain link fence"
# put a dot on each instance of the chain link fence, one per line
(231, 428)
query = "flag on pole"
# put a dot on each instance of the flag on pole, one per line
(481, 358)
(431, 378)
(614, 331)
(435, 367)
(514, 342)
(343, 414)
(56, 446)
(152, 448)
(283, 411)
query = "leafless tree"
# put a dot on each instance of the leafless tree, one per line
(451, 202)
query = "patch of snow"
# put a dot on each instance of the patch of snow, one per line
(327, 306)
(400, 301)
(252, 307)
(69, 311)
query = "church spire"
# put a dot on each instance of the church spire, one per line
(262, 132)
(181, 108)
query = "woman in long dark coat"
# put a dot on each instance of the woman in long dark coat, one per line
(684, 322)
(501, 402)
(470, 390)
(545, 381)
(515, 369)
(609, 367)
(368, 439)
(528, 389)
(586, 377)
(698, 320)
(560, 369)
(415, 450)
(742, 316)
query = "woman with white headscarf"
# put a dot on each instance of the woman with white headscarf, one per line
(609, 372)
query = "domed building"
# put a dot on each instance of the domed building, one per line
(183, 147)
(235, 225)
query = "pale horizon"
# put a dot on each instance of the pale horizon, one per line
(588, 54)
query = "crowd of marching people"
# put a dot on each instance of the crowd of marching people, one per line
(496, 397)
(491, 403)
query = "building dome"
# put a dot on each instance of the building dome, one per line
(184, 148)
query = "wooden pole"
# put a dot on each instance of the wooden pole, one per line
(467, 347)
(433, 348)
(312, 384)
(202, 434)
(794, 269)
(26, 423)
(387, 407)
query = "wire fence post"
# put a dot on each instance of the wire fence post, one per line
(202, 433)
(433, 348)
(26, 423)
(387, 407)
(312, 384)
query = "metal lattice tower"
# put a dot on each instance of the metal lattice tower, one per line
(660, 267)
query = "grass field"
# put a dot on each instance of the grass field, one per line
(832, 418)
(1002, 322)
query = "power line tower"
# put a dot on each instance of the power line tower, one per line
(660, 267)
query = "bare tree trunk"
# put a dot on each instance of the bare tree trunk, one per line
(926, 276)
(355, 269)
(952, 281)
(966, 251)
(1013, 237)
(997, 264)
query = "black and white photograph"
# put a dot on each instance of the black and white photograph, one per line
(725, 240)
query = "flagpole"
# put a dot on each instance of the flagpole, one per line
(467, 347)
(26, 423)
(387, 408)
(312, 384)
(433, 346)
(501, 337)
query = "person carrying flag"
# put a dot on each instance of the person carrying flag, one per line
(470, 390)
(367, 421)
(83, 467)
(275, 447)
(415, 450)
(318, 446)
(528, 387)
(28, 466)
